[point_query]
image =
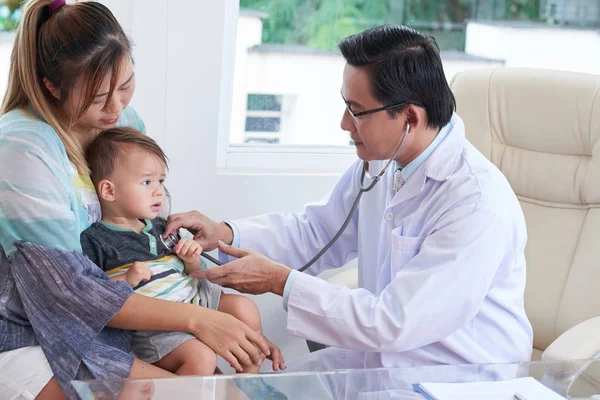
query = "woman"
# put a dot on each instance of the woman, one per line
(71, 75)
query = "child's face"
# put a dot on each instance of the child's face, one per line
(138, 180)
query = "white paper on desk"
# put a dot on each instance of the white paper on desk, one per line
(529, 388)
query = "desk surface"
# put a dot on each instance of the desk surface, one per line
(574, 379)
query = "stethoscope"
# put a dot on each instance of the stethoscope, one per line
(363, 189)
(172, 239)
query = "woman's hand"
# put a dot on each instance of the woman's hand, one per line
(227, 336)
(252, 273)
(233, 340)
(206, 231)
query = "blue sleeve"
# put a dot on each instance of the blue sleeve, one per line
(37, 200)
(224, 258)
(287, 289)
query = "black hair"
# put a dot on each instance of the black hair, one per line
(404, 66)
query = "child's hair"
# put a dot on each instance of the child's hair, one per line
(79, 41)
(112, 144)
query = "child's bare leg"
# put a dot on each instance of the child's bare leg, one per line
(190, 358)
(242, 308)
(246, 311)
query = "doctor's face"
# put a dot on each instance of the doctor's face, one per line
(375, 135)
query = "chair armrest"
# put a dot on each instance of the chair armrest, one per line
(581, 342)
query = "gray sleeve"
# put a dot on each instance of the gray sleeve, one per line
(93, 249)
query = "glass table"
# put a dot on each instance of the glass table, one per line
(573, 379)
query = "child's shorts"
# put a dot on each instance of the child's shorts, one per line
(151, 346)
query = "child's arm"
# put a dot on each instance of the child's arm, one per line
(189, 251)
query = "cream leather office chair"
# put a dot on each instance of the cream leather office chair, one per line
(541, 128)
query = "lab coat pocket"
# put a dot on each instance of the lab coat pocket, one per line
(404, 248)
(406, 243)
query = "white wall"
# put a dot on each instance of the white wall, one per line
(6, 41)
(536, 47)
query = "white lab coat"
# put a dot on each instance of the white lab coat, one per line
(441, 266)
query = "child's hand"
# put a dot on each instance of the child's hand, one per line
(276, 357)
(138, 272)
(188, 250)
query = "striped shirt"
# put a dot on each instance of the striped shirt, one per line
(115, 249)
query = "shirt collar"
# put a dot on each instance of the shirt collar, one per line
(439, 166)
(412, 166)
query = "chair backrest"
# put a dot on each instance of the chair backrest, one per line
(541, 128)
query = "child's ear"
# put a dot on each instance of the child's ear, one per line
(106, 190)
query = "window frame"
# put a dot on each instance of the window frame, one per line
(265, 159)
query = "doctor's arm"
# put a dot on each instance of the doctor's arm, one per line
(431, 296)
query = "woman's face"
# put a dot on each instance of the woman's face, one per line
(100, 115)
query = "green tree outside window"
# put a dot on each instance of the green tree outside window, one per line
(320, 24)
(10, 14)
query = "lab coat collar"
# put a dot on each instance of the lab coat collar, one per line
(439, 166)
(443, 161)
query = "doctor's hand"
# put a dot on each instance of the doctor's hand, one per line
(252, 273)
(206, 231)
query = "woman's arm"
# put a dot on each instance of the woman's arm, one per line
(225, 335)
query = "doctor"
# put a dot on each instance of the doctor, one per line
(440, 240)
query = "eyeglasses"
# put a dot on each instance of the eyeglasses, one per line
(361, 113)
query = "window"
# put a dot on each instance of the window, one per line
(262, 124)
(264, 102)
(288, 74)
(263, 119)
